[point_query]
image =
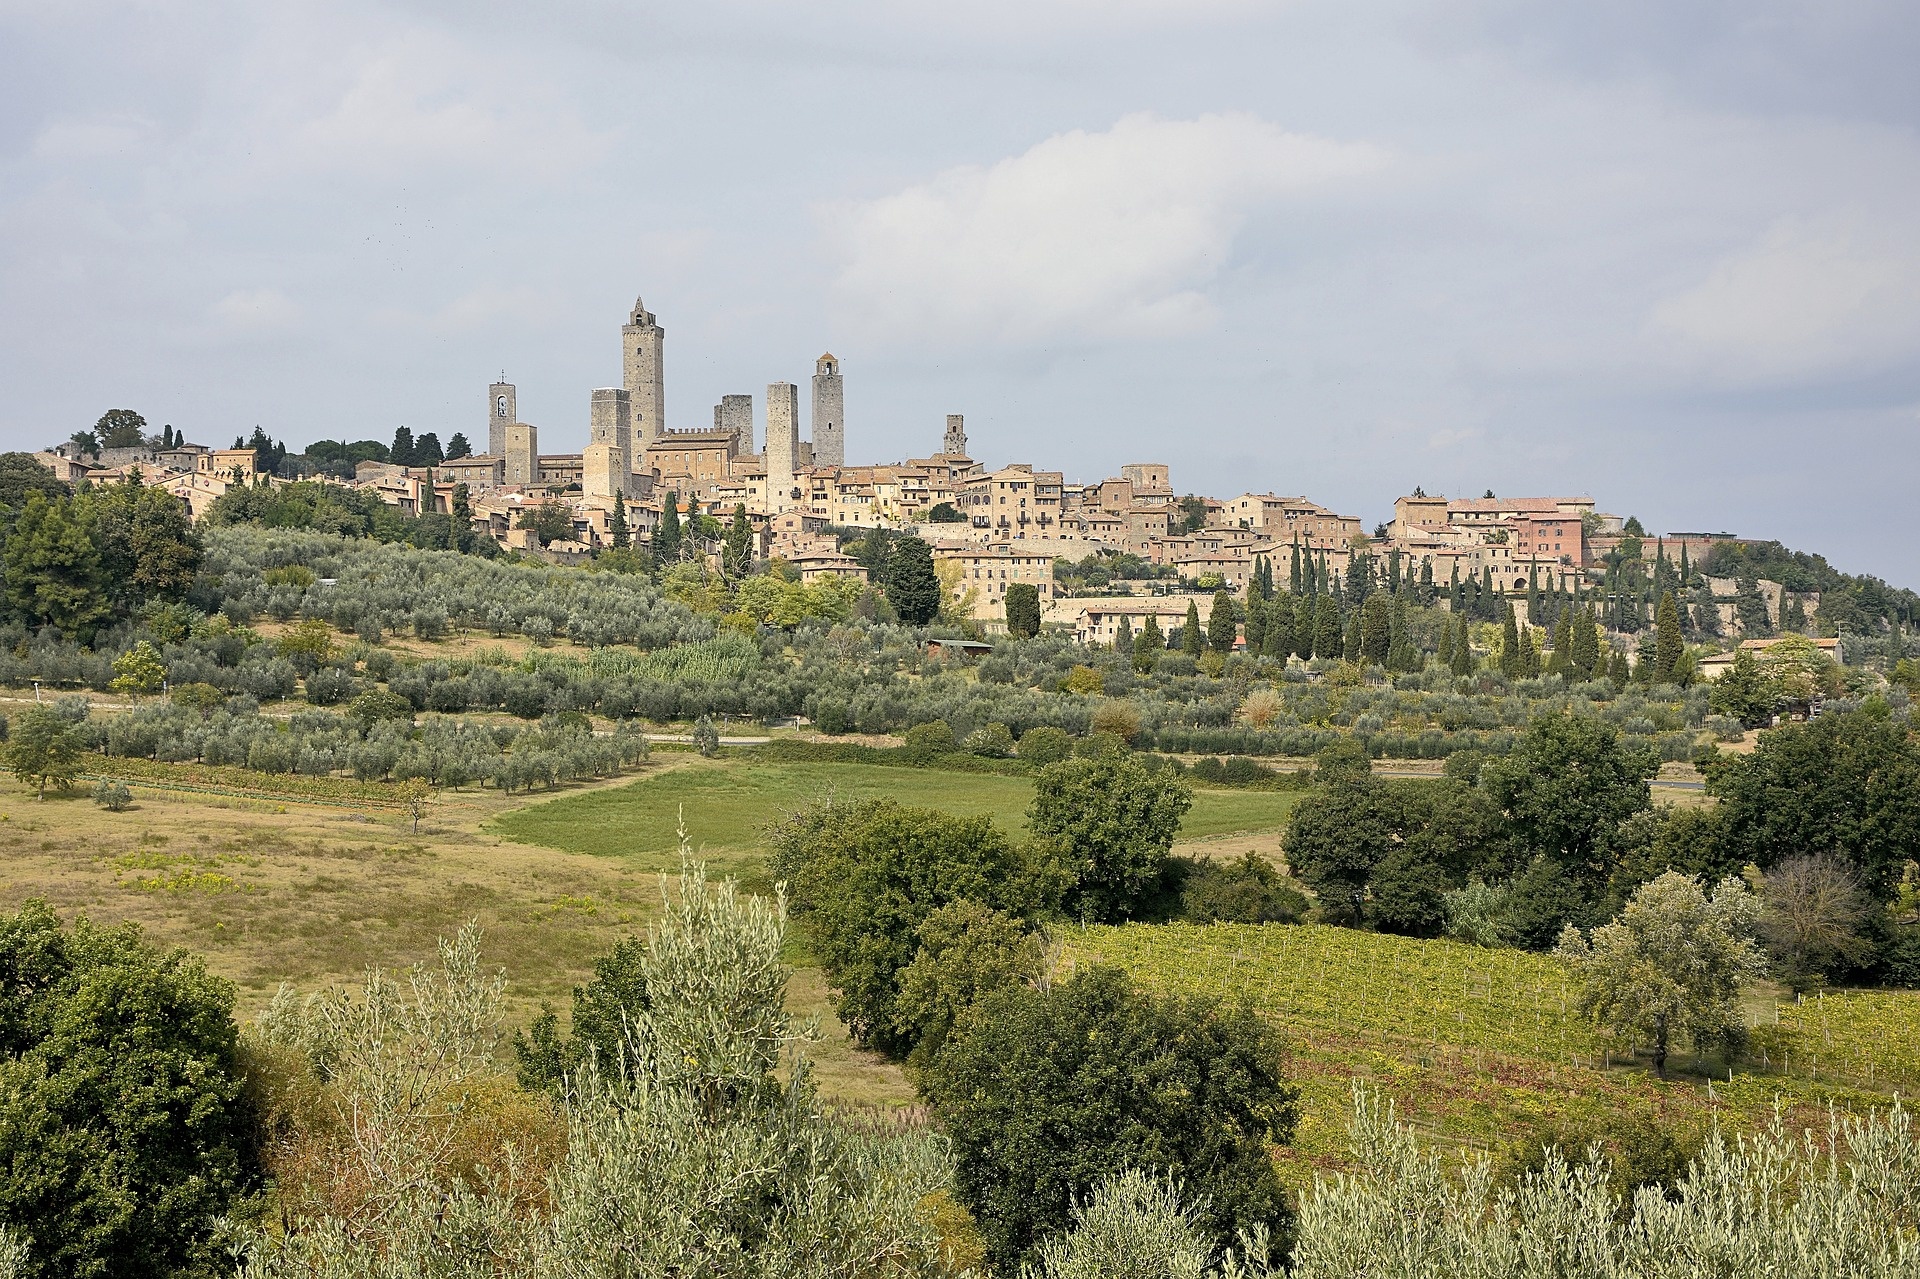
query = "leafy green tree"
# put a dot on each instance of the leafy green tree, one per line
(1045, 745)
(1192, 639)
(864, 877)
(1047, 1093)
(967, 951)
(603, 1011)
(1222, 625)
(1148, 645)
(736, 553)
(549, 522)
(945, 513)
(913, 587)
(42, 749)
(21, 474)
(1671, 967)
(1846, 784)
(458, 447)
(1112, 823)
(1023, 610)
(401, 454)
(1249, 891)
(122, 1124)
(1750, 608)
(121, 429)
(53, 571)
(1816, 920)
(1669, 644)
(148, 547)
(1566, 788)
(1744, 692)
(139, 670)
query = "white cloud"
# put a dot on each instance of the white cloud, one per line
(1811, 296)
(1085, 235)
(63, 140)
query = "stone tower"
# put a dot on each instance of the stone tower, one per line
(829, 413)
(955, 445)
(607, 463)
(642, 343)
(503, 410)
(522, 450)
(734, 415)
(783, 443)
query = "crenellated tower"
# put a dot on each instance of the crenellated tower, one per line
(642, 354)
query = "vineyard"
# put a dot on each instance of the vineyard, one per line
(1481, 1046)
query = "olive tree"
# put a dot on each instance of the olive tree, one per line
(1670, 967)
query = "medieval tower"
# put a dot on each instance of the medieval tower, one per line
(734, 416)
(955, 445)
(503, 411)
(643, 361)
(829, 413)
(607, 464)
(783, 443)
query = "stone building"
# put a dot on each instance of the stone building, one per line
(643, 362)
(829, 413)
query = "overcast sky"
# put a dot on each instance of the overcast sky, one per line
(1665, 252)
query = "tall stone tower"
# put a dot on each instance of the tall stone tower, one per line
(955, 445)
(783, 443)
(642, 343)
(607, 463)
(503, 410)
(829, 413)
(734, 415)
(522, 450)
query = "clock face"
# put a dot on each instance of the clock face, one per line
(500, 406)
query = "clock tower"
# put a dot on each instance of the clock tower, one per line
(502, 412)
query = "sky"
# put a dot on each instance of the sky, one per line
(1662, 252)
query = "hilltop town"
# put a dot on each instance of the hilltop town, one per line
(1150, 551)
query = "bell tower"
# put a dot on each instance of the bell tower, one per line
(642, 360)
(829, 413)
(502, 412)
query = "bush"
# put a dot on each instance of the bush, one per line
(928, 742)
(1121, 719)
(1044, 745)
(992, 741)
(1248, 891)
(1047, 1093)
(122, 1127)
(113, 796)
(378, 704)
(329, 686)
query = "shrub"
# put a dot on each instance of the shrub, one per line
(927, 742)
(1081, 679)
(1121, 719)
(113, 796)
(1248, 891)
(991, 740)
(966, 952)
(1045, 745)
(377, 704)
(329, 686)
(706, 738)
(121, 1120)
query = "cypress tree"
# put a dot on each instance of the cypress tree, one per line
(1277, 643)
(1586, 643)
(462, 519)
(618, 534)
(1123, 639)
(1293, 576)
(1462, 649)
(1148, 645)
(1350, 637)
(1256, 624)
(736, 552)
(1510, 660)
(1668, 646)
(1446, 641)
(1530, 651)
(1305, 616)
(666, 537)
(1376, 629)
(1222, 628)
(1533, 592)
(1326, 627)
(913, 587)
(1191, 640)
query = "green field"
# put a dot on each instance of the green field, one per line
(727, 804)
(1480, 1046)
